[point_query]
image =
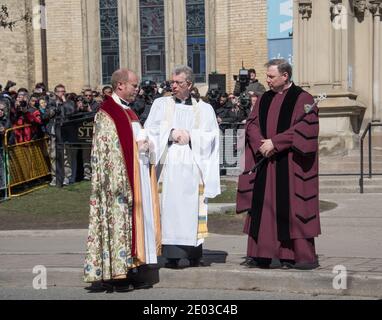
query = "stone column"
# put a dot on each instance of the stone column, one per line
(129, 35)
(210, 6)
(375, 8)
(176, 34)
(91, 43)
(305, 10)
(338, 24)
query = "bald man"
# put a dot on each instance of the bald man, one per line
(124, 230)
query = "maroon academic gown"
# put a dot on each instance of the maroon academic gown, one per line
(282, 196)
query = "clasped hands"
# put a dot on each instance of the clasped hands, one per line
(143, 146)
(267, 148)
(180, 136)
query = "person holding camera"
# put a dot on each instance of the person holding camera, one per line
(59, 109)
(252, 85)
(4, 125)
(89, 102)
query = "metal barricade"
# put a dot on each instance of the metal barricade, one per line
(231, 145)
(3, 173)
(24, 163)
(74, 140)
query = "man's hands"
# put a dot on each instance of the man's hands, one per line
(267, 148)
(143, 146)
(181, 136)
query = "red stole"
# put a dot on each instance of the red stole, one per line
(122, 119)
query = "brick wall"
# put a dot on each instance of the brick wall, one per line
(65, 44)
(16, 59)
(241, 35)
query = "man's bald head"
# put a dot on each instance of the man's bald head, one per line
(125, 84)
(121, 75)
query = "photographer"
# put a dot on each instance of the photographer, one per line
(89, 101)
(145, 99)
(248, 83)
(4, 125)
(213, 96)
(58, 110)
(165, 89)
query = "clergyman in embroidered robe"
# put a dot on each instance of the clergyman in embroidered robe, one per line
(124, 223)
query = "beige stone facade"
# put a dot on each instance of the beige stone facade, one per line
(336, 44)
(235, 33)
(337, 51)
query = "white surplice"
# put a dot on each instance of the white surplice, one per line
(148, 213)
(185, 167)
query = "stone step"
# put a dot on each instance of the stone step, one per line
(349, 181)
(350, 189)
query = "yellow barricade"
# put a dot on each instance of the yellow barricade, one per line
(26, 161)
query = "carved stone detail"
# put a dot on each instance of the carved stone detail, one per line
(305, 9)
(335, 8)
(375, 7)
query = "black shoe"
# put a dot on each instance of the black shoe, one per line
(138, 285)
(101, 286)
(302, 265)
(172, 264)
(264, 263)
(123, 286)
(247, 261)
(194, 263)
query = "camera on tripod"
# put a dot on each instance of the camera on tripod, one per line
(242, 79)
(148, 88)
(213, 95)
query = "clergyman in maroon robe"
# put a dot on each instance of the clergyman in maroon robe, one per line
(282, 196)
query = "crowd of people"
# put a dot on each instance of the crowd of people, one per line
(39, 113)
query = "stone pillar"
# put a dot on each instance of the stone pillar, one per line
(338, 24)
(210, 6)
(305, 10)
(376, 9)
(176, 34)
(129, 35)
(91, 43)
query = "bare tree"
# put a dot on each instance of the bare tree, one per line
(7, 23)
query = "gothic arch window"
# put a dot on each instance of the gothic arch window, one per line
(153, 50)
(196, 38)
(109, 38)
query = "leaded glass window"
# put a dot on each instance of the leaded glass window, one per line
(153, 50)
(109, 38)
(196, 38)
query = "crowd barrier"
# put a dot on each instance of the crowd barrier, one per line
(26, 162)
(23, 163)
(231, 145)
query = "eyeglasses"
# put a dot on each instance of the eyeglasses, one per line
(179, 83)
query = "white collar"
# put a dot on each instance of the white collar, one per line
(118, 99)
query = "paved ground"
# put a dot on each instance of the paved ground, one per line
(351, 237)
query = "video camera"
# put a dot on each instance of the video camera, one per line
(213, 95)
(243, 78)
(9, 85)
(244, 101)
(165, 86)
(148, 88)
